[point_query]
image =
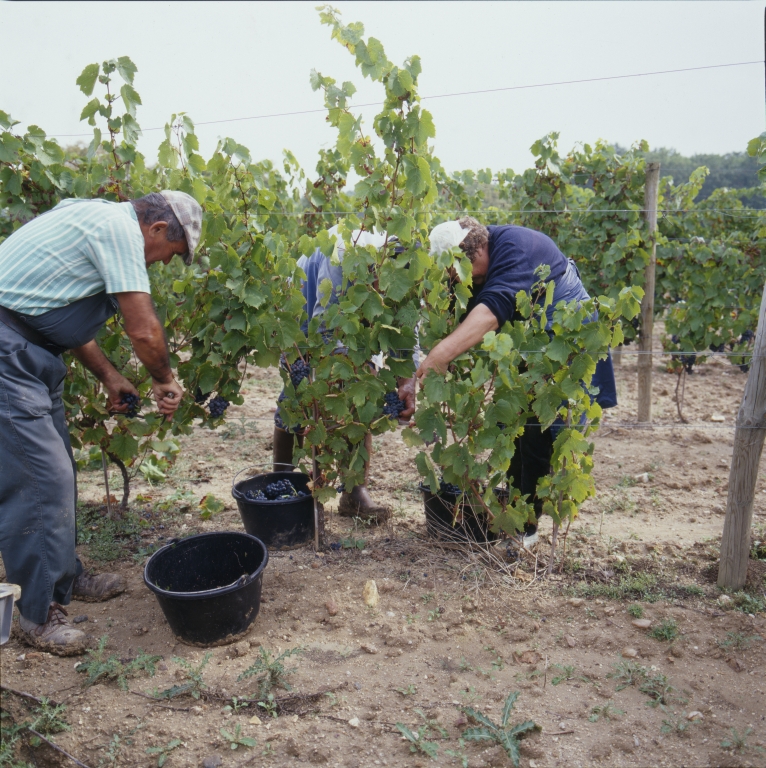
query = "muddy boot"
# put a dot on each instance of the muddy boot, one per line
(56, 636)
(359, 503)
(283, 450)
(96, 589)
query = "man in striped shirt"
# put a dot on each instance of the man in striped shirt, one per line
(62, 276)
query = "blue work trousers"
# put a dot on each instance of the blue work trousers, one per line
(37, 477)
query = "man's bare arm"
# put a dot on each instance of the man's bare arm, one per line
(479, 321)
(146, 334)
(97, 363)
(148, 338)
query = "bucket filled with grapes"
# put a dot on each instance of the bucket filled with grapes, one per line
(450, 516)
(276, 507)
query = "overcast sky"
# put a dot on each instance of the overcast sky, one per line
(222, 60)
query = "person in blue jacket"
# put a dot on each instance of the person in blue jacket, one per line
(504, 260)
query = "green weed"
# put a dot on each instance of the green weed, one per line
(410, 690)
(737, 641)
(194, 685)
(419, 741)
(99, 667)
(236, 739)
(163, 752)
(271, 669)
(608, 711)
(737, 741)
(505, 735)
(636, 611)
(667, 630)
(679, 725)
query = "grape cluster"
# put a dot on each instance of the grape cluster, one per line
(255, 496)
(448, 489)
(282, 489)
(393, 405)
(200, 398)
(687, 361)
(218, 406)
(298, 372)
(132, 401)
(748, 335)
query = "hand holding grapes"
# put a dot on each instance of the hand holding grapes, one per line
(117, 386)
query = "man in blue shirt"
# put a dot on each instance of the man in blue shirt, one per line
(503, 262)
(62, 276)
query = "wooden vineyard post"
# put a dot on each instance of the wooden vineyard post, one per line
(745, 458)
(646, 335)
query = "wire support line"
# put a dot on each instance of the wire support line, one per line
(673, 353)
(451, 95)
(601, 426)
(497, 212)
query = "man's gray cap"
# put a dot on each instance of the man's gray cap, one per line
(189, 214)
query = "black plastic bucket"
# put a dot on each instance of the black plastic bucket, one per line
(209, 585)
(473, 527)
(279, 524)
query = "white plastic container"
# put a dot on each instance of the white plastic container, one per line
(8, 594)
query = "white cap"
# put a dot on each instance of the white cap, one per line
(447, 235)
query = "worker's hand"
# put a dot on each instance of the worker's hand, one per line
(406, 392)
(433, 362)
(118, 386)
(168, 396)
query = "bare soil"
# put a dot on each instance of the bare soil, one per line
(452, 627)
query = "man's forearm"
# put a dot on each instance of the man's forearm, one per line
(91, 356)
(146, 334)
(152, 350)
(479, 322)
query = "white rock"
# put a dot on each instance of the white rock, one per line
(354, 722)
(725, 600)
(255, 720)
(642, 477)
(370, 594)
(642, 623)
(694, 715)
(629, 653)
(576, 602)
(718, 417)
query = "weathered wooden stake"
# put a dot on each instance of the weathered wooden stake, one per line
(646, 336)
(745, 458)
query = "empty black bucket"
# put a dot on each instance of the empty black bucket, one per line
(209, 586)
(279, 524)
(473, 527)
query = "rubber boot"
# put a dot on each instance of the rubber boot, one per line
(358, 503)
(282, 456)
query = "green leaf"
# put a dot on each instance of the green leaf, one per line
(124, 446)
(87, 79)
(130, 99)
(127, 69)
(89, 110)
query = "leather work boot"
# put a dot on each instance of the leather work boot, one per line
(97, 588)
(282, 454)
(56, 636)
(359, 503)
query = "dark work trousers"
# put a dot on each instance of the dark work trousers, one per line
(37, 477)
(531, 461)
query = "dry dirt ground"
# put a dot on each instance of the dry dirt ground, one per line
(453, 628)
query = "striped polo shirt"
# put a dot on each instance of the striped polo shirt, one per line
(75, 250)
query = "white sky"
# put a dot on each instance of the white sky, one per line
(231, 60)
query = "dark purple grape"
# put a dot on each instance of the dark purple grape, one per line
(298, 372)
(393, 405)
(218, 406)
(199, 397)
(281, 489)
(133, 402)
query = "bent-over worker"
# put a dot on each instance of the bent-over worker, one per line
(62, 275)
